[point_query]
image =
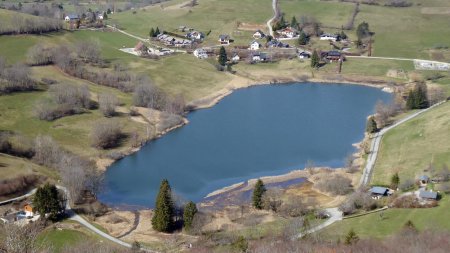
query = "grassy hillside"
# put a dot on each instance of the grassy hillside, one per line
(217, 16)
(11, 167)
(409, 148)
(372, 225)
(399, 32)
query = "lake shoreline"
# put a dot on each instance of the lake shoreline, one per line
(243, 83)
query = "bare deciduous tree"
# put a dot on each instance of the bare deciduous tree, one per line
(107, 104)
(335, 184)
(106, 134)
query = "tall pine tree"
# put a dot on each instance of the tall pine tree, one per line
(258, 193)
(302, 39)
(294, 22)
(188, 214)
(157, 32)
(162, 219)
(152, 33)
(371, 125)
(47, 200)
(222, 56)
(395, 181)
(315, 61)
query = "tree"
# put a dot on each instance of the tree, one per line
(302, 39)
(241, 244)
(362, 31)
(105, 15)
(106, 134)
(343, 35)
(258, 193)
(351, 237)
(417, 97)
(222, 56)
(371, 126)
(162, 219)
(188, 215)
(47, 200)
(152, 33)
(315, 60)
(107, 104)
(395, 181)
(157, 32)
(294, 22)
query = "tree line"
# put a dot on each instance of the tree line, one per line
(33, 25)
(15, 77)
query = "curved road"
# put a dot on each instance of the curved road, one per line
(275, 14)
(375, 146)
(335, 215)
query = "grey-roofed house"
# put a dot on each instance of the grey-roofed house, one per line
(224, 39)
(72, 17)
(428, 195)
(378, 191)
(424, 179)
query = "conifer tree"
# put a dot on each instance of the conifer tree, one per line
(315, 61)
(222, 56)
(157, 32)
(395, 181)
(47, 200)
(188, 215)
(152, 33)
(371, 125)
(162, 219)
(258, 193)
(294, 22)
(303, 39)
(351, 237)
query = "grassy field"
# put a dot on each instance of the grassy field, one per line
(59, 239)
(409, 148)
(371, 225)
(399, 32)
(11, 167)
(217, 16)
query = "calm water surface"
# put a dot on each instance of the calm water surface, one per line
(264, 130)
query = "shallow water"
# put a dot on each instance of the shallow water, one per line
(260, 131)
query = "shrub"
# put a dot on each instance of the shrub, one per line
(106, 134)
(336, 184)
(107, 104)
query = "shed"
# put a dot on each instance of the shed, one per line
(428, 195)
(379, 191)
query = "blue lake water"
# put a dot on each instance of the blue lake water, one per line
(260, 131)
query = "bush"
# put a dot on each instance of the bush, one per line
(336, 184)
(106, 134)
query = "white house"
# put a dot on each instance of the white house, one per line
(255, 45)
(288, 32)
(100, 16)
(258, 35)
(304, 55)
(224, 39)
(195, 35)
(200, 53)
(71, 17)
(258, 57)
(327, 36)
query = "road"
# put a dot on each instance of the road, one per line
(75, 217)
(275, 14)
(335, 215)
(375, 146)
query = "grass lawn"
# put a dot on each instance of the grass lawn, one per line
(372, 225)
(58, 239)
(409, 148)
(11, 167)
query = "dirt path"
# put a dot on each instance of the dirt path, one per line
(135, 224)
(275, 15)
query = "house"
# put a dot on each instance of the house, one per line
(327, 36)
(224, 39)
(255, 45)
(259, 57)
(28, 209)
(277, 43)
(378, 192)
(235, 57)
(100, 16)
(429, 195)
(72, 17)
(195, 35)
(424, 179)
(259, 35)
(200, 53)
(304, 55)
(331, 55)
(288, 32)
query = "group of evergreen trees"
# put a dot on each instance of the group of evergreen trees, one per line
(154, 32)
(163, 216)
(47, 200)
(417, 98)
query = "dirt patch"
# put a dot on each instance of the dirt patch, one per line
(251, 27)
(435, 10)
(117, 223)
(397, 73)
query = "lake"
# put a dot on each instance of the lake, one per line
(259, 131)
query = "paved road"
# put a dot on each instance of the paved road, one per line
(376, 140)
(335, 215)
(275, 14)
(18, 198)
